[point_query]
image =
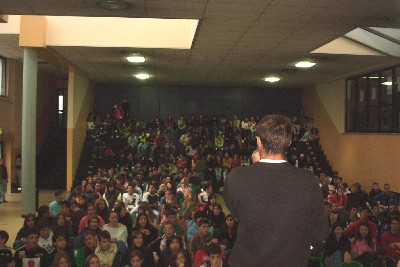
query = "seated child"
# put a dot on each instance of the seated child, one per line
(31, 252)
(108, 252)
(5, 252)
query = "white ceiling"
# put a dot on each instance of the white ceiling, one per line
(237, 43)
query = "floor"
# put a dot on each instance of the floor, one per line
(10, 213)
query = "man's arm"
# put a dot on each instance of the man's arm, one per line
(145, 197)
(320, 226)
(351, 230)
(231, 200)
(136, 199)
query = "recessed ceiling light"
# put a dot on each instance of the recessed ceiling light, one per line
(305, 64)
(136, 59)
(142, 76)
(272, 79)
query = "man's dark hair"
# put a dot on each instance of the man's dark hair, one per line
(56, 193)
(136, 253)
(275, 133)
(104, 235)
(31, 231)
(89, 232)
(5, 235)
(65, 203)
(42, 224)
(206, 185)
(202, 221)
(214, 249)
(395, 218)
(171, 212)
(57, 234)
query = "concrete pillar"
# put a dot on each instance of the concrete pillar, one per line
(29, 99)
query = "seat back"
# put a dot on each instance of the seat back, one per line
(352, 264)
(79, 256)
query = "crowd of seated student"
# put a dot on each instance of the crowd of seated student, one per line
(142, 208)
(365, 227)
(139, 204)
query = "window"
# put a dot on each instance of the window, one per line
(2, 76)
(372, 102)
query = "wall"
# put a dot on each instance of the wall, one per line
(80, 103)
(10, 116)
(148, 102)
(363, 158)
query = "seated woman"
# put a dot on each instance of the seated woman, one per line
(29, 223)
(337, 247)
(146, 208)
(61, 226)
(208, 209)
(118, 232)
(217, 216)
(150, 233)
(229, 231)
(352, 216)
(137, 244)
(136, 259)
(180, 259)
(125, 219)
(363, 245)
(183, 188)
(102, 209)
(340, 198)
(173, 245)
(188, 202)
(92, 261)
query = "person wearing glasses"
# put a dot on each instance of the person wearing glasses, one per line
(160, 244)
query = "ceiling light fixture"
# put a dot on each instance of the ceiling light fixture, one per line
(142, 76)
(136, 58)
(114, 4)
(305, 64)
(387, 83)
(272, 79)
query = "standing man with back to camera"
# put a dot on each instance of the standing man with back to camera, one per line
(283, 212)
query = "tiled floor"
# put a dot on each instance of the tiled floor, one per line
(10, 213)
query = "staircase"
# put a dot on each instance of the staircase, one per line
(87, 162)
(319, 161)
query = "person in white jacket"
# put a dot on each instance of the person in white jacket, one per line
(118, 232)
(131, 199)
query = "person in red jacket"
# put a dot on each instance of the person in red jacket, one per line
(390, 242)
(351, 230)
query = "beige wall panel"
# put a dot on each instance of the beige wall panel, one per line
(33, 31)
(80, 103)
(363, 158)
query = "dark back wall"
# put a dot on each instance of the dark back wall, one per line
(148, 102)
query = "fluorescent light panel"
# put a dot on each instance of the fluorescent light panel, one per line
(136, 59)
(272, 79)
(142, 76)
(305, 64)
